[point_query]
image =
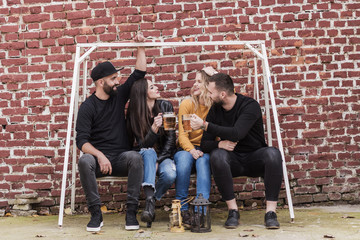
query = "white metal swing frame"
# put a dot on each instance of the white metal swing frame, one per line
(73, 111)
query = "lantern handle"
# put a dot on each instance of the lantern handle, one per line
(189, 199)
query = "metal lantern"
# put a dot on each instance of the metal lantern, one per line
(200, 215)
(175, 217)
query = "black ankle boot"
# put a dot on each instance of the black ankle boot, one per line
(148, 215)
(131, 223)
(233, 219)
(96, 221)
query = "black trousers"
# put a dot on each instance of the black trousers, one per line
(126, 164)
(265, 162)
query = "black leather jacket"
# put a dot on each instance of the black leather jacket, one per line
(164, 140)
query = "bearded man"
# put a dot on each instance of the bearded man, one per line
(102, 137)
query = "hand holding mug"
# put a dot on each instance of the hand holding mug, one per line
(158, 120)
(196, 122)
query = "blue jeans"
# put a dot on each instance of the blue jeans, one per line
(184, 165)
(166, 172)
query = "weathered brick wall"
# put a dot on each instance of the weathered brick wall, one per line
(314, 56)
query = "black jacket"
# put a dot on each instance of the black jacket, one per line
(165, 141)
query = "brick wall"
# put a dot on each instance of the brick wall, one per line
(314, 55)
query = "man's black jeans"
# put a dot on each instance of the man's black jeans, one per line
(126, 164)
(265, 162)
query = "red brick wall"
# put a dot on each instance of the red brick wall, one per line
(314, 55)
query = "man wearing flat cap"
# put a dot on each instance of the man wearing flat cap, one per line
(102, 137)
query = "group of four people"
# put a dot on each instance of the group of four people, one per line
(227, 141)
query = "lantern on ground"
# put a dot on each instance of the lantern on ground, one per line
(200, 215)
(175, 217)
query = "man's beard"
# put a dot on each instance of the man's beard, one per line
(218, 102)
(110, 90)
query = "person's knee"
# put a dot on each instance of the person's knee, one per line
(169, 173)
(182, 156)
(86, 161)
(135, 160)
(183, 161)
(150, 153)
(273, 156)
(204, 160)
(149, 156)
(218, 158)
(170, 176)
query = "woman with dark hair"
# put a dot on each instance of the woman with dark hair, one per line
(190, 157)
(157, 146)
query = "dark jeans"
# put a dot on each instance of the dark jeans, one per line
(126, 164)
(265, 162)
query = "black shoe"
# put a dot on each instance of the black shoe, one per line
(271, 221)
(131, 223)
(233, 219)
(186, 219)
(96, 221)
(148, 215)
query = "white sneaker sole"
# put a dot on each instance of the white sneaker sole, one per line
(134, 227)
(97, 229)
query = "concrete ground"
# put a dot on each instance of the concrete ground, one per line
(336, 222)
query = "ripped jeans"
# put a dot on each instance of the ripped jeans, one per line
(166, 172)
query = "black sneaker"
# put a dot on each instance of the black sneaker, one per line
(186, 219)
(271, 221)
(148, 215)
(131, 223)
(233, 219)
(96, 221)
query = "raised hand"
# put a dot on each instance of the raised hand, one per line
(139, 37)
(209, 71)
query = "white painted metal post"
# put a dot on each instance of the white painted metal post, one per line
(74, 153)
(68, 137)
(256, 82)
(84, 80)
(278, 134)
(267, 107)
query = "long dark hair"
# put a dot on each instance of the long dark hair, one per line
(138, 117)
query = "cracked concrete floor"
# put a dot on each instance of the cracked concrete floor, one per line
(336, 222)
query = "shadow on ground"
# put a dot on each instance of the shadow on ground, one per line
(336, 222)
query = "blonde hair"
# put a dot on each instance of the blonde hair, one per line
(204, 79)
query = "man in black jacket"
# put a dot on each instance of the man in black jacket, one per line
(241, 151)
(102, 137)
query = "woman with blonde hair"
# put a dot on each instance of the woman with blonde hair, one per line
(190, 158)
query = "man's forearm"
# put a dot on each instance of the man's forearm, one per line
(90, 149)
(140, 59)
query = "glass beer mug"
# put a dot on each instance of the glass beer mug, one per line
(186, 122)
(169, 119)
